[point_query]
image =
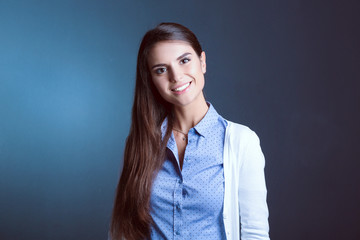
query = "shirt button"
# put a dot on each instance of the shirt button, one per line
(178, 206)
(180, 181)
(184, 193)
(177, 232)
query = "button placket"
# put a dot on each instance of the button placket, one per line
(189, 147)
(177, 208)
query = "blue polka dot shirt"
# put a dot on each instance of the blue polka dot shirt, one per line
(187, 203)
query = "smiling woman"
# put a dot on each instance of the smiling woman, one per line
(178, 73)
(188, 173)
(179, 79)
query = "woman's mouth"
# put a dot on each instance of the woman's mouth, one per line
(182, 88)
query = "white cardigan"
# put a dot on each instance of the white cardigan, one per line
(245, 212)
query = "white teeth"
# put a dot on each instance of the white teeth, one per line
(181, 88)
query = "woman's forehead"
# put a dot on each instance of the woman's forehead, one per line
(169, 50)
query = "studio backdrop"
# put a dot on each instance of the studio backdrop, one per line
(287, 69)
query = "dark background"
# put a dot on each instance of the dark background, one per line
(290, 70)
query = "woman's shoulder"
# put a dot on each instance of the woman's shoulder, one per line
(240, 135)
(239, 130)
(244, 145)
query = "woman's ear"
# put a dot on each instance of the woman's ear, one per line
(203, 62)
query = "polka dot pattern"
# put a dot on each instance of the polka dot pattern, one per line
(188, 204)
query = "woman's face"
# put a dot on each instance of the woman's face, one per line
(177, 72)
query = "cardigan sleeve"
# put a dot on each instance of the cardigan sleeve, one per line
(253, 209)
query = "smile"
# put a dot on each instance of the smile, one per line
(181, 88)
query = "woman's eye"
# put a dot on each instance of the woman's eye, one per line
(185, 60)
(160, 70)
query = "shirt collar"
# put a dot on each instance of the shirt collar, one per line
(204, 127)
(211, 118)
(171, 142)
(163, 128)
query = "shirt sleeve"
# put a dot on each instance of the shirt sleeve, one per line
(252, 192)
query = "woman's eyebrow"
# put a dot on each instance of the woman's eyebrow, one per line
(178, 58)
(158, 65)
(183, 55)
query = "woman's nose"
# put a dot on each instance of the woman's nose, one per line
(176, 74)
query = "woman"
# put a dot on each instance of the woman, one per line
(188, 173)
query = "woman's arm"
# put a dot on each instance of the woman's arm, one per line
(252, 192)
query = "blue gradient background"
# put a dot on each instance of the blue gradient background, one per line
(288, 69)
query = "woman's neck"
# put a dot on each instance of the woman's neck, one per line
(188, 116)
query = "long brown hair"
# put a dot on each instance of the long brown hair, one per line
(145, 147)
